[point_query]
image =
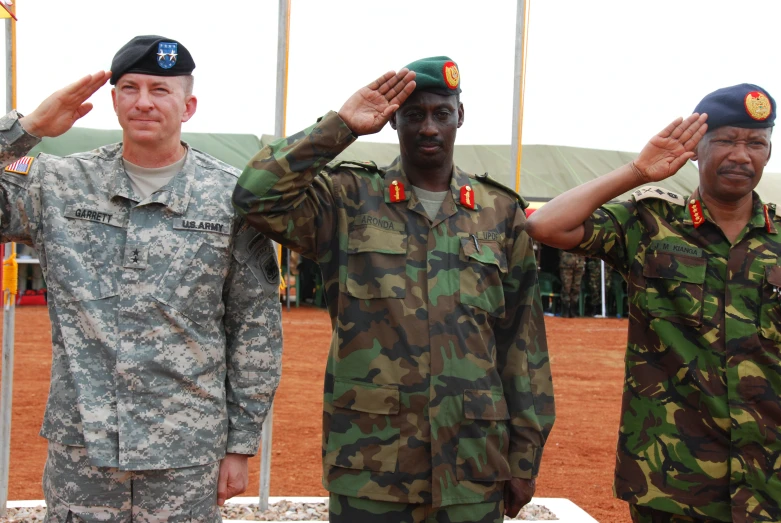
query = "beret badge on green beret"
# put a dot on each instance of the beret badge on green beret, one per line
(450, 74)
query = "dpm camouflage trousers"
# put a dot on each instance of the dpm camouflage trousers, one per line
(346, 509)
(641, 514)
(77, 491)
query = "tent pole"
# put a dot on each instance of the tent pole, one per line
(518, 91)
(283, 44)
(9, 315)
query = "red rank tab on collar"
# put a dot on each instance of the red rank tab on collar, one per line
(467, 197)
(768, 224)
(696, 211)
(397, 192)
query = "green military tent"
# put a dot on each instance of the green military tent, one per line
(547, 170)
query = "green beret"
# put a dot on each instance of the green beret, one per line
(437, 74)
(153, 55)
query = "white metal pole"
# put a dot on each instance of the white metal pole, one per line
(602, 278)
(283, 39)
(6, 386)
(517, 151)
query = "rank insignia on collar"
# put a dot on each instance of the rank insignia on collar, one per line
(397, 192)
(757, 105)
(467, 197)
(768, 223)
(21, 166)
(696, 213)
(166, 54)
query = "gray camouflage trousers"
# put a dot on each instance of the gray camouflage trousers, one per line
(78, 491)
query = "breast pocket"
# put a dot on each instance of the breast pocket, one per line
(770, 313)
(484, 264)
(193, 282)
(674, 287)
(85, 255)
(376, 264)
(364, 427)
(483, 440)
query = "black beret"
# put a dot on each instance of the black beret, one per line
(154, 55)
(742, 105)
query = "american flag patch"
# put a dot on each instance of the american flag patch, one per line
(20, 166)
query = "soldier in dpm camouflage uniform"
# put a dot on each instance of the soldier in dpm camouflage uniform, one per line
(571, 269)
(699, 436)
(438, 395)
(166, 336)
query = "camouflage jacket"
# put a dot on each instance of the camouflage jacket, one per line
(166, 335)
(438, 384)
(702, 397)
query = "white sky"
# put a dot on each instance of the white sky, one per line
(604, 74)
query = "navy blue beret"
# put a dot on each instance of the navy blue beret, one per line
(153, 55)
(742, 105)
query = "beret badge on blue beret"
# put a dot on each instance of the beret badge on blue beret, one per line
(758, 105)
(166, 54)
(451, 75)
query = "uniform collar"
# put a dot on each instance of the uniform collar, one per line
(458, 180)
(175, 194)
(762, 215)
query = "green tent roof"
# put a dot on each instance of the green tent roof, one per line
(547, 170)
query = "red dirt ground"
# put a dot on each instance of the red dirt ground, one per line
(587, 363)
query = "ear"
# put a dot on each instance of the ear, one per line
(460, 114)
(190, 105)
(769, 152)
(114, 100)
(392, 120)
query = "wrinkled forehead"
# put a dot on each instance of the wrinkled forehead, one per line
(148, 80)
(430, 99)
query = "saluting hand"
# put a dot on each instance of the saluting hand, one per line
(669, 150)
(60, 111)
(368, 110)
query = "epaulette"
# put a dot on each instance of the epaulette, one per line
(353, 164)
(21, 166)
(487, 179)
(651, 191)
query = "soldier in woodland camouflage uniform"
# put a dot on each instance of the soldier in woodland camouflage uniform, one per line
(438, 395)
(700, 436)
(571, 269)
(165, 316)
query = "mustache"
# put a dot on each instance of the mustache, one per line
(428, 141)
(735, 168)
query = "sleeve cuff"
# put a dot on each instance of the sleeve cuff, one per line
(14, 134)
(243, 442)
(526, 464)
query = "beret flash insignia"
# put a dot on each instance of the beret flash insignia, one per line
(451, 75)
(757, 105)
(166, 54)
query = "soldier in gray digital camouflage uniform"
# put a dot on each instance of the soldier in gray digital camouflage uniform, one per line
(166, 335)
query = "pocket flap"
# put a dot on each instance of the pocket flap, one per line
(364, 397)
(485, 404)
(674, 267)
(371, 239)
(773, 275)
(484, 251)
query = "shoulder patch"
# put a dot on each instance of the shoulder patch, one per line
(487, 179)
(21, 166)
(651, 191)
(353, 164)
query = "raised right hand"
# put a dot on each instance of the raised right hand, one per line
(669, 150)
(368, 110)
(60, 111)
